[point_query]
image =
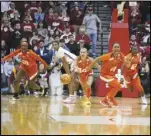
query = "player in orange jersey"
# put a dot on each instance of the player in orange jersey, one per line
(28, 66)
(110, 62)
(85, 77)
(130, 72)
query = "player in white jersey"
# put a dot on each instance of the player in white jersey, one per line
(67, 59)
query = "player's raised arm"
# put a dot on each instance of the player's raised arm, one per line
(98, 59)
(96, 65)
(38, 58)
(12, 54)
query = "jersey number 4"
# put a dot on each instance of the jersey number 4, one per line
(25, 62)
(113, 69)
(133, 66)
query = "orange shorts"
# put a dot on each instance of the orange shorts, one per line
(31, 70)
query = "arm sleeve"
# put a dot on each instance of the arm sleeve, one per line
(11, 55)
(38, 58)
(104, 57)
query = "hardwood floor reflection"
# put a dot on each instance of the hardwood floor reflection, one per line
(48, 115)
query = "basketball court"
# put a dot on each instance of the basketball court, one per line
(48, 115)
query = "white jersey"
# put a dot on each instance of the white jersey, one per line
(70, 57)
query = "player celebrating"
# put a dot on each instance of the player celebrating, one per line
(110, 62)
(28, 66)
(85, 78)
(130, 68)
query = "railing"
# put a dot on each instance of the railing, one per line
(102, 44)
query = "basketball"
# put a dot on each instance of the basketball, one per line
(65, 79)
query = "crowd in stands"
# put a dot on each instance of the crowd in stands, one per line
(40, 23)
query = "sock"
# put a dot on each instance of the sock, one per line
(143, 97)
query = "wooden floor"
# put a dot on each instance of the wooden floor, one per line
(48, 115)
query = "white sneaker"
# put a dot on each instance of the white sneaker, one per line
(143, 108)
(144, 101)
(14, 98)
(70, 107)
(36, 94)
(70, 100)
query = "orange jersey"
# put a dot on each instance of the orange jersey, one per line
(110, 64)
(28, 61)
(83, 65)
(131, 64)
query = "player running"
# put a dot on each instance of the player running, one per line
(130, 72)
(110, 62)
(28, 66)
(85, 78)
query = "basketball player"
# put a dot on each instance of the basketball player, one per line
(28, 66)
(67, 58)
(110, 62)
(85, 78)
(130, 72)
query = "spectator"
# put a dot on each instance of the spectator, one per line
(5, 16)
(133, 41)
(8, 67)
(34, 39)
(51, 5)
(73, 46)
(41, 30)
(27, 28)
(28, 13)
(13, 75)
(33, 6)
(63, 45)
(64, 24)
(4, 49)
(49, 37)
(135, 15)
(64, 15)
(79, 4)
(6, 30)
(56, 29)
(83, 38)
(76, 17)
(43, 77)
(66, 34)
(90, 22)
(56, 17)
(44, 53)
(145, 75)
(13, 13)
(16, 36)
(49, 18)
(39, 16)
(60, 6)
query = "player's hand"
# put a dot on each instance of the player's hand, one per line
(121, 81)
(88, 69)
